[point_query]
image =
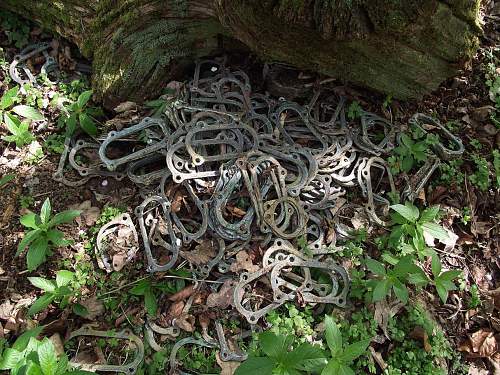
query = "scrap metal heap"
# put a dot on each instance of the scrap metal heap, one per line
(254, 173)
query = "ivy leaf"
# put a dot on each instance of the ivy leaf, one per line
(64, 277)
(408, 211)
(28, 112)
(44, 284)
(40, 304)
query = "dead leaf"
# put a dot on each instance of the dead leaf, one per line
(236, 211)
(243, 262)
(224, 297)
(94, 307)
(378, 358)
(185, 322)
(58, 344)
(495, 295)
(175, 309)
(203, 253)
(227, 368)
(119, 261)
(89, 214)
(125, 106)
(6, 310)
(384, 312)
(481, 344)
(420, 334)
(182, 294)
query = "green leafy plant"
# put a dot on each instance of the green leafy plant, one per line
(77, 114)
(354, 111)
(19, 130)
(149, 291)
(407, 235)
(44, 234)
(26, 201)
(283, 357)
(16, 29)
(413, 149)
(292, 321)
(35, 357)
(475, 298)
(443, 281)
(481, 177)
(496, 166)
(57, 290)
(342, 355)
(395, 278)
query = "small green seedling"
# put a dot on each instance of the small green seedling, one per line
(44, 234)
(149, 290)
(57, 290)
(443, 281)
(342, 355)
(76, 115)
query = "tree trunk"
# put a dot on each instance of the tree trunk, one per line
(401, 47)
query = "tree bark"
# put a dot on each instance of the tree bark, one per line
(405, 48)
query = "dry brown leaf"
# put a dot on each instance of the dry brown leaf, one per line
(119, 261)
(243, 262)
(495, 295)
(185, 322)
(94, 307)
(203, 253)
(175, 309)
(182, 294)
(125, 106)
(235, 211)
(204, 320)
(58, 344)
(419, 334)
(481, 344)
(378, 358)
(384, 312)
(227, 368)
(224, 297)
(89, 214)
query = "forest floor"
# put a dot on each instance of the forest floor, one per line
(447, 321)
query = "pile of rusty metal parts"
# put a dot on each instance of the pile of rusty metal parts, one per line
(253, 173)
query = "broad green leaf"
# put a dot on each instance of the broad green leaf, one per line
(45, 211)
(400, 290)
(435, 265)
(64, 277)
(436, 231)
(333, 336)
(27, 239)
(140, 288)
(301, 354)
(29, 220)
(84, 98)
(337, 368)
(10, 358)
(381, 290)
(275, 346)
(12, 123)
(87, 124)
(407, 163)
(150, 302)
(429, 214)
(450, 275)
(442, 291)
(44, 284)
(63, 365)
(71, 124)
(34, 369)
(47, 357)
(408, 211)
(418, 278)
(64, 217)
(353, 351)
(28, 112)
(6, 179)
(37, 252)
(8, 98)
(63, 291)
(80, 310)
(40, 304)
(256, 365)
(22, 341)
(375, 267)
(405, 266)
(57, 238)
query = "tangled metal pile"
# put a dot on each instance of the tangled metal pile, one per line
(255, 173)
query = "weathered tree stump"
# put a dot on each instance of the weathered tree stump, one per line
(401, 47)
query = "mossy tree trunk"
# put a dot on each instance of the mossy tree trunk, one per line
(401, 47)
